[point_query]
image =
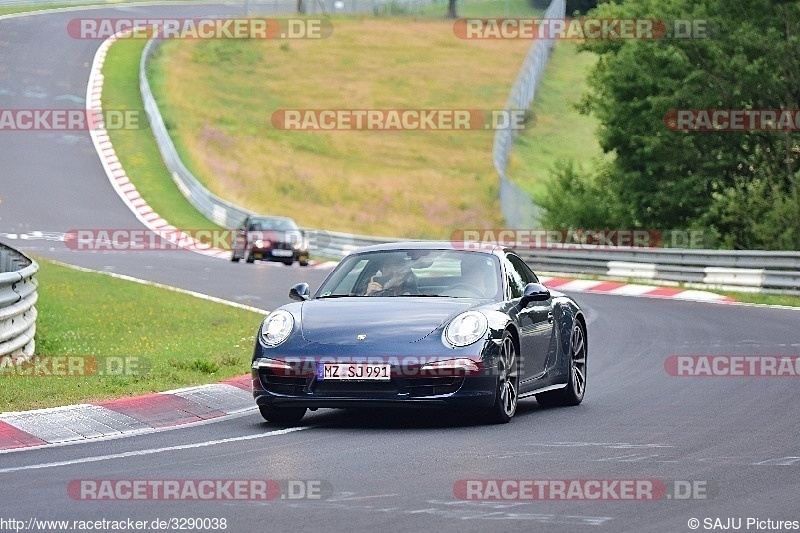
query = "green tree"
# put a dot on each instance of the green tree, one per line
(668, 179)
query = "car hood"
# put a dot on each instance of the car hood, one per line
(381, 319)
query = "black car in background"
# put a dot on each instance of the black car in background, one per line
(270, 239)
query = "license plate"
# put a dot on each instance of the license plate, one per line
(282, 253)
(354, 372)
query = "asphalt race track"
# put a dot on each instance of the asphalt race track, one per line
(734, 440)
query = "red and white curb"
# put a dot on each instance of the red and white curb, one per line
(116, 174)
(116, 418)
(628, 289)
(118, 177)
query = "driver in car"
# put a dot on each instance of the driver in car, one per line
(396, 279)
(478, 274)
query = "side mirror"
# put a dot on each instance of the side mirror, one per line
(299, 292)
(534, 292)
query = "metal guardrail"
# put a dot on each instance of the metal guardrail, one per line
(517, 206)
(214, 208)
(226, 214)
(17, 299)
(218, 210)
(762, 271)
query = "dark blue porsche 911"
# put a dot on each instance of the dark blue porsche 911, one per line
(421, 324)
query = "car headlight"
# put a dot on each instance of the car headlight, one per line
(466, 328)
(301, 244)
(277, 327)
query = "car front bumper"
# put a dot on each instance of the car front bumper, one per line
(269, 254)
(308, 391)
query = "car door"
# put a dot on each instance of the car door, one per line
(536, 322)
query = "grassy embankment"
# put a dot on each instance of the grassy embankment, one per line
(218, 98)
(146, 339)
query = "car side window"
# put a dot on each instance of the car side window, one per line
(523, 269)
(514, 278)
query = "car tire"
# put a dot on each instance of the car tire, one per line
(288, 263)
(284, 416)
(234, 258)
(303, 263)
(573, 393)
(250, 258)
(507, 391)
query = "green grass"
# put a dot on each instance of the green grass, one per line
(137, 148)
(362, 207)
(217, 99)
(486, 8)
(766, 299)
(559, 131)
(181, 339)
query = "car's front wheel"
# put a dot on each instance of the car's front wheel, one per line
(284, 416)
(573, 393)
(507, 393)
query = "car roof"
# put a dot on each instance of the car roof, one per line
(430, 245)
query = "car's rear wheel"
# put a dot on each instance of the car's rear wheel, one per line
(288, 263)
(573, 393)
(250, 258)
(284, 416)
(507, 394)
(304, 263)
(234, 258)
